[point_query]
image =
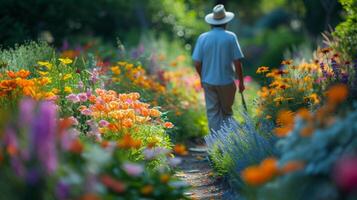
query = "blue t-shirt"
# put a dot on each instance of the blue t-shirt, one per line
(216, 50)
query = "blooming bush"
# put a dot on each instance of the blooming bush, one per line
(42, 156)
(310, 156)
(296, 86)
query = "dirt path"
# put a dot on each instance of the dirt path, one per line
(196, 171)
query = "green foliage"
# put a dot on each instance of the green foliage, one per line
(346, 31)
(25, 56)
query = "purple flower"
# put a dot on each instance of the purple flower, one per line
(62, 190)
(44, 136)
(324, 72)
(173, 162)
(33, 176)
(103, 123)
(26, 109)
(335, 69)
(73, 98)
(133, 169)
(83, 97)
(80, 85)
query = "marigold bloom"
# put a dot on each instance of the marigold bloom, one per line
(287, 62)
(45, 63)
(147, 189)
(68, 89)
(285, 121)
(337, 94)
(65, 61)
(292, 166)
(168, 125)
(180, 149)
(165, 178)
(127, 142)
(262, 69)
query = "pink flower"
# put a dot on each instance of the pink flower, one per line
(346, 174)
(248, 79)
(103, 123)
(73, 120)
(133, 169)
(73, 98)
(86, 112)
(82, 97)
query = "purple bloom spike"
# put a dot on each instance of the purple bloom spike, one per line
(44, 136)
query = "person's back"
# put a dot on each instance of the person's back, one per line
(219, 48)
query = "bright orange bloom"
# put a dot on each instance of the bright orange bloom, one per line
(147, 189)
(337, 94)
(262, 69)
(168, 125)
(258, 175)
(285, 121)
(292, 166)
(180, 149)
(76, 146)
(127, 142)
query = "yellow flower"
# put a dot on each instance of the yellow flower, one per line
(42, 73)
(262, 69)
(55, 90)
(115, 70)
(65, 61)
(121, 63)
(67, 76)
(45, 63)
(44, 80)
(68, 89)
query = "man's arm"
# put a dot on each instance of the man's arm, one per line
(198, 66)
(239, 71)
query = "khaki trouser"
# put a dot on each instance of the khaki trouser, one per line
(219, 102)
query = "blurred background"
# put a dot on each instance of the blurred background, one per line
(268, 30)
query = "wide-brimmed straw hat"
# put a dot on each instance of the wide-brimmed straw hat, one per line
(219, 16)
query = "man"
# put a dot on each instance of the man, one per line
(214, 55)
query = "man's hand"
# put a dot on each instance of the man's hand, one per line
(239, 71)
(198, 66)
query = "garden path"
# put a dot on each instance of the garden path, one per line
(197, 172)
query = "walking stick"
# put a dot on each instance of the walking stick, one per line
(243, 101)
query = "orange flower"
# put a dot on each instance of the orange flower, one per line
(180, 149)
(304, 114)
(165, 178)
(257, 175)
(262, 69)
(127, 142)
(155, 113)
(307, 131)
(168, 125)
(113, 184)
(292, 166)
(147, 189)
(252, 176)
(285, 121)
(337, 94)
(76, 146)
(287, 62)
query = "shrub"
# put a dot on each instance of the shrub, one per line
(346, 32)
